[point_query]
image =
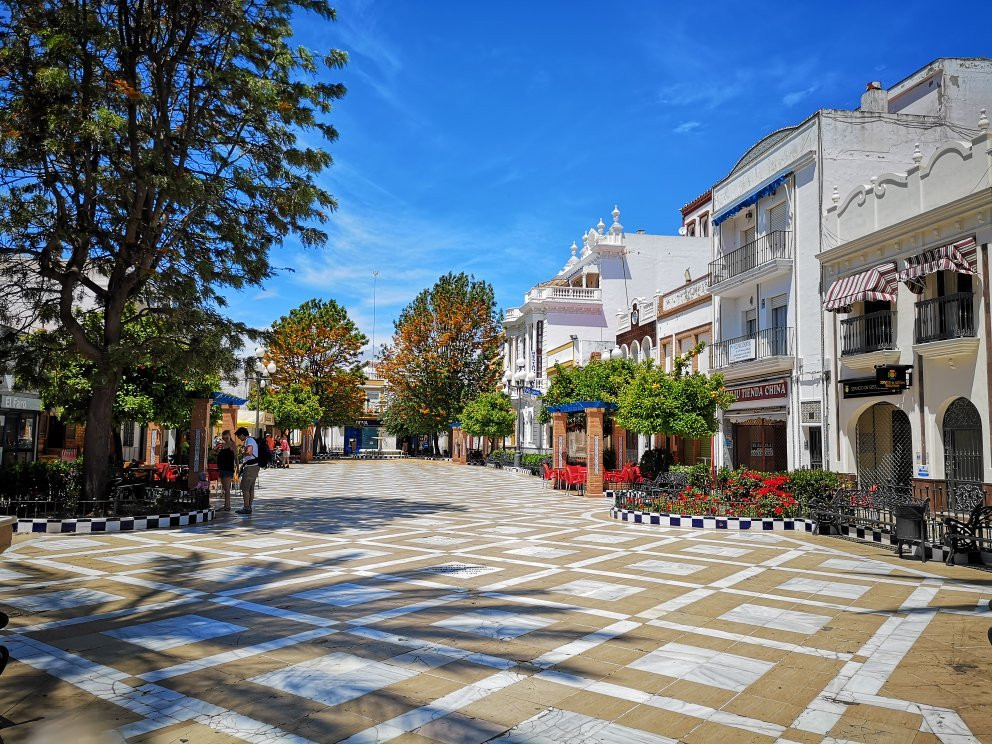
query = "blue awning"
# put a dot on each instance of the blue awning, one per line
(747, 201)
(223, 399)
(581, 406)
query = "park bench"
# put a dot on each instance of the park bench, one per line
(973, 534)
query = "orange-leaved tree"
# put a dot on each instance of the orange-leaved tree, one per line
(445, 351)
(318, 346)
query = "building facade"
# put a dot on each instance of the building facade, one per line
(767, 229)
(578, 313)
(907, 290)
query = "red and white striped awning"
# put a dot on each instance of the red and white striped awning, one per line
(960, 257)
(878, 283)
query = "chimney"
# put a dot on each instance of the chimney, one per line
(875, 100)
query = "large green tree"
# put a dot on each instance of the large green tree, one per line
(293, 406)
(601, 380)
(319, 347)
(445, 351)
(675, 403)
(490, 415)
(149, 158)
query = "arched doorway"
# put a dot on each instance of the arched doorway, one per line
(963, 454)
(884, 447)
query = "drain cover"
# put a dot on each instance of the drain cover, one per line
(460, 569)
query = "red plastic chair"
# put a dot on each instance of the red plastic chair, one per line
(575, 475)
(166, 472)
(550, 475)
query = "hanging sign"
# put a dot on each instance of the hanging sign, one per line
(867, 387)
(892, 376)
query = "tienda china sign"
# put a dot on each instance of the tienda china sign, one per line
(763, 391)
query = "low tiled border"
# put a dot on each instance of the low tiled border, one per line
(713, 523)
(112, 524)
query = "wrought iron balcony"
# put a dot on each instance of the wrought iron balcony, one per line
(770, 342)
(770, 247)
(867, 333)
(942, 318)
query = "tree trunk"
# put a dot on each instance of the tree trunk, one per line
(96, 443)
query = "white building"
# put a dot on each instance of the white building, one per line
(579, 312)
(768, 226)
(906, 283)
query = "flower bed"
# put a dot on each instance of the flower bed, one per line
(746, 494)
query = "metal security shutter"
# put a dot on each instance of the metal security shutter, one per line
(778, 217)
(778, 301)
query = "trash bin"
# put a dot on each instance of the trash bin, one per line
(911, 527)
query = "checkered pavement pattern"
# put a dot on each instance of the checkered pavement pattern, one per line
(426, 602)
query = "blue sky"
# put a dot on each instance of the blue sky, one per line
(486, 137)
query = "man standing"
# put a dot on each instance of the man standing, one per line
(249, 468)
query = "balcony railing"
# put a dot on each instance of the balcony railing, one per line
(774, 245)
(564, 293)
(770, 342)
(944, 318)
(868, 332)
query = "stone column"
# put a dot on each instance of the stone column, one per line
(619, 445)
(594, 452)
(153, 444)
(199, 440)
(306, 448)
(229, 418)
(559, 445)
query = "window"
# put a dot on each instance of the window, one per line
(690, 229)
(780, 308)
(664, 357)
(750, 322)
(778, 217)
(747, 235)
(127, 434)
(704, 226)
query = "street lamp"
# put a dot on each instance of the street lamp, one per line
(519, 378)
(261, 378)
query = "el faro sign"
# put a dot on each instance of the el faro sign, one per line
(762, 391)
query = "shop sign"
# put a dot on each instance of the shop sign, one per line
(19, 403)
(762, 391)
(742, 350)
(867, 387)
(684, 295)
(892, 376)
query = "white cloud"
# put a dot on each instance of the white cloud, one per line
(791, 99)
(686, 127)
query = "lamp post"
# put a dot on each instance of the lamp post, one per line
(261, 368)
(519, 378)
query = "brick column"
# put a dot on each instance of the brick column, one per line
(199, 440)
(306, 447)
(229, 418)
(458, 453)
(594, 452)
(620, 445)
(559, 446)
(153, 444)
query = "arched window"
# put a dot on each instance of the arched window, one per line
(963, 445)
(646, 348)
(884, 447)
(635, 352)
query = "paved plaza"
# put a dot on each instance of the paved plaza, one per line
(424, 602)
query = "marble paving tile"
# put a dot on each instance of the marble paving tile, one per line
(262, 542)
(64, 543)
(597, 590)
(508, 530)
(233, 573)
(161, 635)
(496, 624)
(440, 540)
(757, 537)
(8, 575)
(539, 551)
(773, 617)
(335, 678)
(351, 554)
(866, 567)
(704, 666)
(60, 600)
(717, 550)
(346, 595)
(611, 538)
(667, 567)
(138, 557)
(555, 725)
(829, 588)
(460, 570)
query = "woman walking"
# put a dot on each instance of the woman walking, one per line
(226, 458)
(284, 448)
(249, 468)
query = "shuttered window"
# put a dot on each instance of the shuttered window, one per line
(778, 217)
(747, 236)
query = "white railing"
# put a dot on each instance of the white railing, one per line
(564, 293)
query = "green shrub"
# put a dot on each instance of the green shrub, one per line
(699, 475)
(811, 486)
(655, 461)
(58, 482)
(535, 460)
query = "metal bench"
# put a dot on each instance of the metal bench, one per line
(971, 535)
